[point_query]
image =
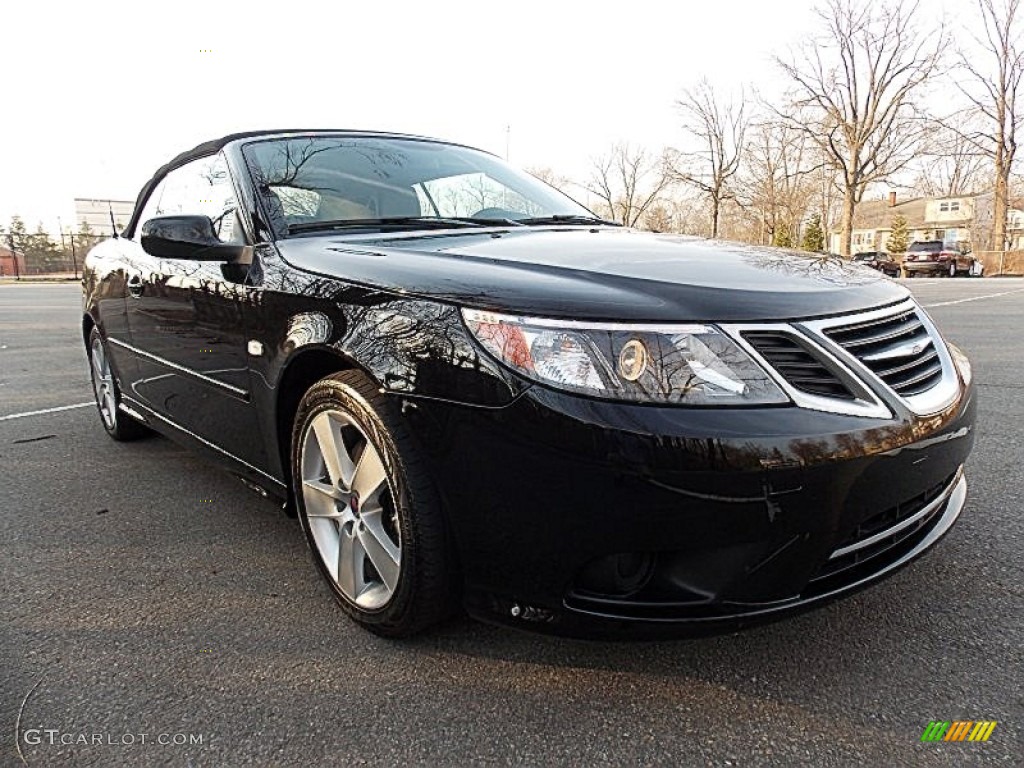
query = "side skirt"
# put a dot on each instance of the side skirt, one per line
(253, 477)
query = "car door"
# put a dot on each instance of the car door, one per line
(187, 319)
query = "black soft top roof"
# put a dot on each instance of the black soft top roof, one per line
(214, 146)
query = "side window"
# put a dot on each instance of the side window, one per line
(202, 188)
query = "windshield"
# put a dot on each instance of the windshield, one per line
(364, 182)
(927, 246)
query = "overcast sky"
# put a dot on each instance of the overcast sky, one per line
(97, 95)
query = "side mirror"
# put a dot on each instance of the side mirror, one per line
(186, 237)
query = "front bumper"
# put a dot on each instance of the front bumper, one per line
(841, 575)
(727, 517)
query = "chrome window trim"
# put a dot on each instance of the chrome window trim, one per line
(867, 402)
(936, 399)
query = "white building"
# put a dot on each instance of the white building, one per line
(96, 213)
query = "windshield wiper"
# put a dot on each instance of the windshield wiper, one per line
(432, 222)
(569, 218)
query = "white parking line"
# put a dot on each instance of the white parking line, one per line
(46, 410)
(972, 298)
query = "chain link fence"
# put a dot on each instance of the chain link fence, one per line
(44, 254)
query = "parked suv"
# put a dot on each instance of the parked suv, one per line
(879, 260)
(933, 257)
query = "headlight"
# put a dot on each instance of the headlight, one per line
(687, 364)
(962, 363)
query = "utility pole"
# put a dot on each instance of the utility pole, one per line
(71, 235)
(508, 140)
(74, 258)
(63, 245)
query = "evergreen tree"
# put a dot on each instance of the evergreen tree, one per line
(782, 238)
(898, 235)
(814, 237)
(19, 235)
(42, 255)
(85, 239)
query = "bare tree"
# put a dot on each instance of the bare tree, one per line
(550, 177)
(778, 185)
(627, 181)
(659, 218)
(951, 163)
(858, 80)
(828, 193)
(997, 77)
(716, 132)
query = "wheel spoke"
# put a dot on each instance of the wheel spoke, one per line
(332, 448)
(369, 474)
(325, 534)
(350, 564)
(383, 553)
(320, 499)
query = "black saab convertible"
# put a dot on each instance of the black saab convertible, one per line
(471, 391)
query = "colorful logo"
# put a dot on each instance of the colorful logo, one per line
(958, 730)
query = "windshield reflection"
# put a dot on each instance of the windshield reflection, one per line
(303, 181)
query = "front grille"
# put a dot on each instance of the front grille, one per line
(797, 364)
(898, 349)
(880, 533)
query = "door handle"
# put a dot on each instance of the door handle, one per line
(135, 286)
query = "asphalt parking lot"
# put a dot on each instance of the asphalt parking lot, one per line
(146, 593)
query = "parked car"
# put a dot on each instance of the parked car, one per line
(879, 260)
(471, 390)
(934, 257)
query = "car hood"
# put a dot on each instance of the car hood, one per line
(600, 273)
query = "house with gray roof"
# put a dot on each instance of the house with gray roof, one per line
(963, 221)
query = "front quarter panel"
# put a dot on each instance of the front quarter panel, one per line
(415, 348)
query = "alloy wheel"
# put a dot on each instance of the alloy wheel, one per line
(350, 509)
(103, 383)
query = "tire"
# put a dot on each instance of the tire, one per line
(118, 424)
(369, 509)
